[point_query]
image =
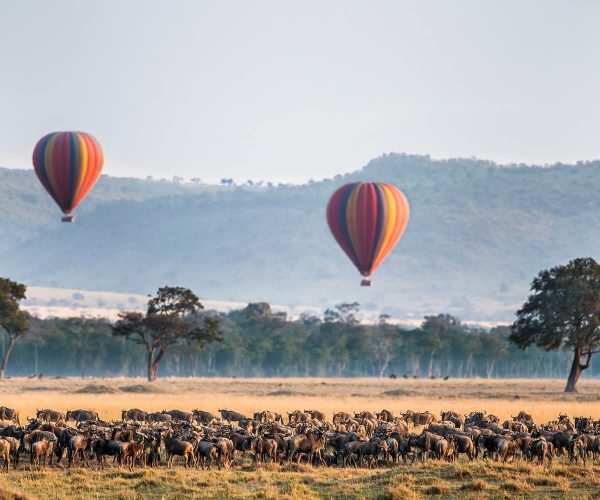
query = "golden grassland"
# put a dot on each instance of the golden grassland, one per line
(543, 398)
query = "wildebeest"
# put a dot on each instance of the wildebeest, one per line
(451, 416)
(134, 414)
(370, 449)
(316, 414)
(81, 415)
(129, 452)
(206, 453)
(231, 416)
(9, 414)
(340, 417)
(48, 415)
(5, 452)
(177, 447)
(419, 418)
(385, 415)
(310, 443)
(159, 417)
(179, 415)
(102, 447)
(40, 451)
(204, 417)
(77, 446)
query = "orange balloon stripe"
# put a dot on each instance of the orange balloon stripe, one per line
(388, 220)
(403, 214)
(92, 168)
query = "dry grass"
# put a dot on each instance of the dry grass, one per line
(543, 398)
(109, 396)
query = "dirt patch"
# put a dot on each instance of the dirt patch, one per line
(282, 392)
(141, 389)
(96, 389)
(398, 392)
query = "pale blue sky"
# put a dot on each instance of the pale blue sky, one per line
(287, 91)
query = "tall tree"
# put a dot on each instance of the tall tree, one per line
(171, 318)
(13, 321)
(563, 311)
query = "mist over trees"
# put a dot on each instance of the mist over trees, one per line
(258, 342)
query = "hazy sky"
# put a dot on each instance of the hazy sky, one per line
(288, 91)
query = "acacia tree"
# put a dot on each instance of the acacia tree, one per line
(171, 318)
(563, 311)
(13, 321)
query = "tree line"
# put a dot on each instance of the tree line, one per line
(256, 342)
(558, 325)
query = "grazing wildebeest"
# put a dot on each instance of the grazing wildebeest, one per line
(129, 452)
(310, 443)
(5, 447)
(180, 416)
(231, 416)
(81, 415)
(225, 451)
(263, 449)
(78, 445)
(206, 453)
(370, 449)
(464, 444)
(316, 414)
(159, 417)
(296, 417)
(177, 447)
(385, 415)
(444, 449)
(9, 414)
(151, 455)
(340, 417)
(134, 414)
(419, 418)
(40, 450)
(48, 415)
(451, 416)
(102, 447)
(204, 417)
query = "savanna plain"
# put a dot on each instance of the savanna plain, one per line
(544, 399)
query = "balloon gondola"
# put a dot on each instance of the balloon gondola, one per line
(367, 219)
(68, 165)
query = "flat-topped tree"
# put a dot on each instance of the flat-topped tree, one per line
(563, 311)
(171, 318)
(13, 321)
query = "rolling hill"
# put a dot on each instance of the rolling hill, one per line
(478, 234)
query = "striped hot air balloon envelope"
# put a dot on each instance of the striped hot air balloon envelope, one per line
(367, 219)
(68, 164)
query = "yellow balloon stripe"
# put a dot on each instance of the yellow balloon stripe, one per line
(82, 161)
(389, 222)
(402, 214)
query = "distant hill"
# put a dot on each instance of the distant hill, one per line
(478, 234)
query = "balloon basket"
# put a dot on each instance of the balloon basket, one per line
(68, 218)
(366, 282)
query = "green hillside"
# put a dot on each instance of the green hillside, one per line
(477, 235)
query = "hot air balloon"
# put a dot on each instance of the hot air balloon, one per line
(68, 164)
(367, 220)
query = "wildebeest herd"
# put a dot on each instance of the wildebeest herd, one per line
(364, 439)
